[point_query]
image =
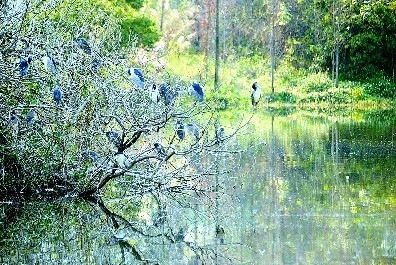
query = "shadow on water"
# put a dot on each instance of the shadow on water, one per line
(309, 189)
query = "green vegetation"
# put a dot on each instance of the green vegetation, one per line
(334, 52)
(294, 86)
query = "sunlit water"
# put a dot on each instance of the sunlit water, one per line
(309, 189)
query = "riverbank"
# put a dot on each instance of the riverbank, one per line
(294, 87)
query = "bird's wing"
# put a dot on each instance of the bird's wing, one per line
(139, 74)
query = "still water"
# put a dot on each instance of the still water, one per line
(298, 187)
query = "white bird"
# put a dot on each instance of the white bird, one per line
(256, 94)
(154, 94)
(122, 160)
(49, 63)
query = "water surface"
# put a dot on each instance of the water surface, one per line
(308, 188)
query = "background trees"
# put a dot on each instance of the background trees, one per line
(309, 35)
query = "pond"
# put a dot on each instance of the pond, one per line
(295, 187)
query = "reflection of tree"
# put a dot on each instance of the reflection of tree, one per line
(96, 141)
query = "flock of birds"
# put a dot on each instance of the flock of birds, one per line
(163, 92)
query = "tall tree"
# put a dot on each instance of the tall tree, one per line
(273, 35)
(217, 47)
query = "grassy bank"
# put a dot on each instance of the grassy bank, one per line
(291, 86)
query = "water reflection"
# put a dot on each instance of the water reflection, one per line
(309, 189)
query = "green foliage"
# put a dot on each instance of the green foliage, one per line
(285, 97)
(143, 28)
(365, 54)
(136, 4)
(134, 26)
(381, 87)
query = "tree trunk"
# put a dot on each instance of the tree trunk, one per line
(273, 43)
(162, 15)
(217, 48)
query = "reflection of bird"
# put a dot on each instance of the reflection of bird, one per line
(180, 130)
(114, 138)
(220, 234)
(30, 116)
(256, 94)
(195, 260)
(197, 92)
(57, 95)
(154, 94)
(96, 64)
(193, 130)
(220, 135)
(166, 93)
(84, 45)
(122, 160)
(180, 235)
(136, 77)
(160, 149)
(13, 121)
(49, 63)
(159, 218)
(91, 155)
(24, 65)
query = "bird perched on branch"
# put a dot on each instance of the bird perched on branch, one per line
(84, 45)
(136, 77)
(180, 130)
(30, 116)
(154, 95)
(197, 92)
(24, 65)
(193, 130)
(160, 149)
(49, 63)
(122, 160)
(256, 94)
(114, 138)
(57, 94)
(166, 93)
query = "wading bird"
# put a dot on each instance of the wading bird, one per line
(256, 94)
